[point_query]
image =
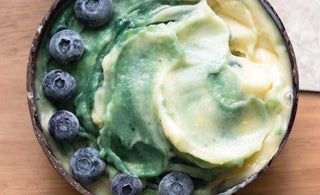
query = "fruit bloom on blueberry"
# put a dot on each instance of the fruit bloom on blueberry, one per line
(66, 47)
(86, 165)
(93, 13)
(59, 86)
(63, 125)
(176, 183)
(123, 184)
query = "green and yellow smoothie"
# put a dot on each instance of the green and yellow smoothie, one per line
(200, 87)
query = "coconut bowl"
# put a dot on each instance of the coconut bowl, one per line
(31, 69)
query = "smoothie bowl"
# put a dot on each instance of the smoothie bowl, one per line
(159, 96)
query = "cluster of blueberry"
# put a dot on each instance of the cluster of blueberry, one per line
(66, 47)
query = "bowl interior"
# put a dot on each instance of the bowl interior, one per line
(45, 24)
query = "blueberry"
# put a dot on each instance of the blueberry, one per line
(66, 47)
(93, 13)
(59, 86)
(176, 183)
(86, 165)
(123, 184)
(63, 125)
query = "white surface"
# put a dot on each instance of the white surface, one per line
(301, 19)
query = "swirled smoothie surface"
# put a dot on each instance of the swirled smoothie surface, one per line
(202, 87)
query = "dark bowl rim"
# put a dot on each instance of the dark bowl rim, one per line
(36, 44)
